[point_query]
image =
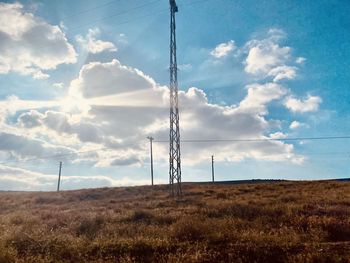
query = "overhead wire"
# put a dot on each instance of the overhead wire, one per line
(91, 9)
(161, 11)
(259, 139)
(115, 15)
(196, 141)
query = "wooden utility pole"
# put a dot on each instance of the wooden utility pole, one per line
(151, 152)
(59, 177)
(212, 169)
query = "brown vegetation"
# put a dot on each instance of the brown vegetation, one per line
(263, 222)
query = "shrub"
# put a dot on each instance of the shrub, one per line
(141, 216)
(41, 200)
(221, 196)
(24, 244)
(89, 227)
(190, 229)
(5, 256)
(337, 231)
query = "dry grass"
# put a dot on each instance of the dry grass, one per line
(264, 222)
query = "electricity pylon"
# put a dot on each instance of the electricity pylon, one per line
(174, 150)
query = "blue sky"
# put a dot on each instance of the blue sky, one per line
(82, 75)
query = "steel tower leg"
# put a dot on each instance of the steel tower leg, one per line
(174, 150)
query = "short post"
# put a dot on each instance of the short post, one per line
(59, 177)
(151, 152)
(212, 168)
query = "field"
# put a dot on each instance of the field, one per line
(262, 222)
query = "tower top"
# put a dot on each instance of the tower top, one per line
(173, 5)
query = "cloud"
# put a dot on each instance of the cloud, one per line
(92, 44)
(259, 96)
(282, 72)
(262, 58)
(78, 182)
(267, 58)
(19, 179)
(300, 60)
(58, 85)
(119, 106)
(40, 75)
(125, 106)
(277, 135)
(98, 79)
(223, 49)
(295, 125)
(29, 45)
(185, 67)
(310, 104)
(23, 147)
(125, 161)
(122, 39)
(61, 123)
(247, 120)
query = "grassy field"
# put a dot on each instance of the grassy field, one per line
(263, 222)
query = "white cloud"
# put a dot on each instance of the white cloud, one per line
(259, 96)
(310, 104)
(98, 79)
(58, 85)
(295, 125)
(24, 147)
(277, 135)
(29, 45)
(267, 58)
(282, 72)
(185, 67)
(118, 106)
(276, 34)
(40, 75)
(63, 26)
(300, 60)
(204, 120)
(62, 124)
(223, 49)
(19, 179)
(92, 44)
(262, 58)
(122, 39)
(128, 105)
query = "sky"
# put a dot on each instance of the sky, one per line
(85, 82)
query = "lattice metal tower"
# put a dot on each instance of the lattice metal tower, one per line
(174, 150)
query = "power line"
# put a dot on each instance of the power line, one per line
(259, 139)
(196, 2)
(115, 15)
(161, 11)
(196, 141)
(91, 9)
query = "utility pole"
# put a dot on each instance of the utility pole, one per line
(212, 169)
(59, 177)
(174, 147)
(151, 151)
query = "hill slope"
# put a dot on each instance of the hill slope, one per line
(263, 222)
